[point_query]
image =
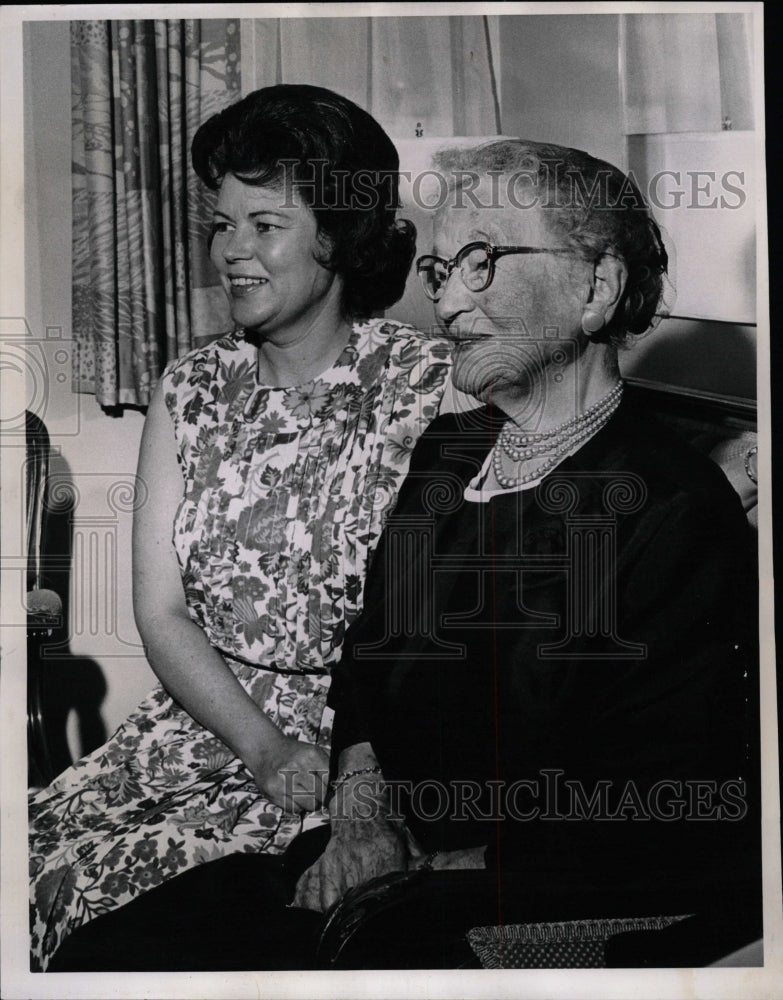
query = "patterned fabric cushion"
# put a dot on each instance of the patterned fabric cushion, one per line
(568, 944)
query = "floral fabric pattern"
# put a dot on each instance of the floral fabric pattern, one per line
(144, 291)
(286, 492)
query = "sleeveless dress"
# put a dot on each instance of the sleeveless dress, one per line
(286, 492)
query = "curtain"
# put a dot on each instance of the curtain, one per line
(430, 76)
(689, 119)
(687, 72)
(143, 289)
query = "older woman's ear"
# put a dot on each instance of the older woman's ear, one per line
(610, 275)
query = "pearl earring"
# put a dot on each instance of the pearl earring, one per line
(592, 321)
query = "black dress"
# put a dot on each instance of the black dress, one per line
(568, 674)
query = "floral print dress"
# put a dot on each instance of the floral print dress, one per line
(286, 491)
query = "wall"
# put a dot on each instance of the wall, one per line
(101, 672)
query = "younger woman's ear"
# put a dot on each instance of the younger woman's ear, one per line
(610, 275)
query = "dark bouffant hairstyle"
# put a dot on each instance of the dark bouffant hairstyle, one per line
(591, 206)
(344, 167)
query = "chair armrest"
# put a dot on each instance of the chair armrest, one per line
(350, 914)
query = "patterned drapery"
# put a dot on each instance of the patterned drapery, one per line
(143, 288)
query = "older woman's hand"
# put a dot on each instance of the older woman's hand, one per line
(365, 843)
(291, 773)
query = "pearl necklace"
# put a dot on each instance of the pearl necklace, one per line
(521, 446)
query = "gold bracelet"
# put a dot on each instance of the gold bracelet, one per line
(427, 863)
(347, 775)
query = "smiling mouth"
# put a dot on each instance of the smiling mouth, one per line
(243, 284)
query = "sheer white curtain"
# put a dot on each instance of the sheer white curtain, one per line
(434, 75)
(687, 72)
(688, 89)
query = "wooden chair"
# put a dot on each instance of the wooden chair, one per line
(44, 606)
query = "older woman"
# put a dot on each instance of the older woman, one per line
(548, 702)
(569, 700)
(274, 453)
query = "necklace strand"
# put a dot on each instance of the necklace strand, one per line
(541, 439)
(555, 443)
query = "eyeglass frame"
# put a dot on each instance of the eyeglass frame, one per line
(493, 253)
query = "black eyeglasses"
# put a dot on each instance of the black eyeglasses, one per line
(476, 263)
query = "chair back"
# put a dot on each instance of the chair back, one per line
(36, 476)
